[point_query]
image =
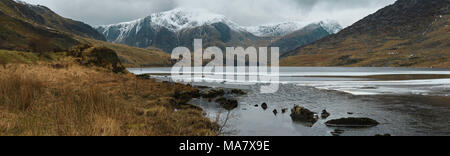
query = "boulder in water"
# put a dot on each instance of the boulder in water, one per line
(238, 92)
(352, 122)
(302, 114)
(212, 93)
(228, 104)
(264, 106)
(325, 114)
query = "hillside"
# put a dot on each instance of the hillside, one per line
(134, 56)
(38, 14)
(304, 36)
(35, 28)
(17, 34)
(409, 33)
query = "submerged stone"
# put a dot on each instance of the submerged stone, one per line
(325, 114)
(352, 122)
(238, 92)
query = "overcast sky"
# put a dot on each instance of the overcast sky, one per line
(244, 12)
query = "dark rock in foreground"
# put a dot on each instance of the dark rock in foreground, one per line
(238, 92)
(337, 132)
(228, 104)
(264, 106)
(143, 76)
(325, 114)
(352, 122)
(301, 114)
(383, 135)
(212, 93)
(275, 111)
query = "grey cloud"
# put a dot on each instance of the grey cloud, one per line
(245, 12)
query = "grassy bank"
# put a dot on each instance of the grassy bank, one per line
(64, 98)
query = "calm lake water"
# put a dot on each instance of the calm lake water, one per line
(406, 101)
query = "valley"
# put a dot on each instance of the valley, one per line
(62, 77)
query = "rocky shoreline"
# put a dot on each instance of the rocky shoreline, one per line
(228, 100)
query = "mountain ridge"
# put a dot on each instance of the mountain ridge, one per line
(409, 33)
(44, 16)
(179, 27)
(34, 28)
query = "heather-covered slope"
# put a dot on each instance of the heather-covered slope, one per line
(37, 14)
(34, 28)
(409, 33)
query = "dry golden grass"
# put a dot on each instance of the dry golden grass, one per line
(72, 100)
(133, 56)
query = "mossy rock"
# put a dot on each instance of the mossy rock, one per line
(212, 93)
(228, 104)
(98, 56)
(238, 92)
(183, 97)
(352, 122)
(301, 114)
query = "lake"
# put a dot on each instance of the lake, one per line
(406, 101)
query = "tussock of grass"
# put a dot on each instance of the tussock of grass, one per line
(133, 56)
(17, 57)
(44, 99)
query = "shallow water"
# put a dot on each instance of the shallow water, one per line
(403, 107)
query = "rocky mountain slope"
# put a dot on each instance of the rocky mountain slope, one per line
(35, 28)
(286, 28)
(20, 33)
(179, 27)
(305, 35)
(44, 16)
(408, 33)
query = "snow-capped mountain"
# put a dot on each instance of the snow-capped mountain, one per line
(285, 28)
(273, 30)
(174, 20)
(179, 27)
(182, 18)
(333, 27)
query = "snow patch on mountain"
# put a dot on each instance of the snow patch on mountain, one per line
(176, 20)
(179, 19)
(28, 4)
(333, 27)
(182, 18)
(277, 29)
(285, 28)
